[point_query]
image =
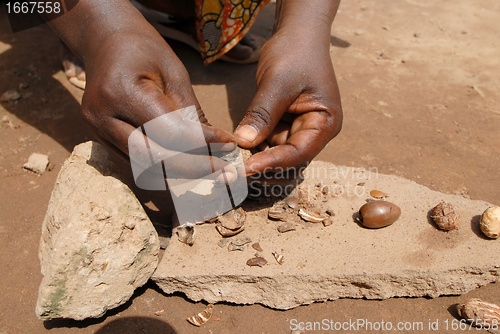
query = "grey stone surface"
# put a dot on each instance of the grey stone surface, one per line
(409, 258)
(97, 243)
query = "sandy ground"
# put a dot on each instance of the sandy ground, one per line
(420, 91)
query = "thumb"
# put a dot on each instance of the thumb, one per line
(271, 101)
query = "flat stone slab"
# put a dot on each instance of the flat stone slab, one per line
(409, 258)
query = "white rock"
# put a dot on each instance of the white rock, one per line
(37, 163)
(97, 243)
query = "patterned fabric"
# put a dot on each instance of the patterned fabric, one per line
(221, 24)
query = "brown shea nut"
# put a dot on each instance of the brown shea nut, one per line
(445, 216)
(490, 222)
(377, 214)
(479, 313)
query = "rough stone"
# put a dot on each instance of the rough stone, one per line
(10, 95)
(37, 163)
(411, 258)
(97, 243)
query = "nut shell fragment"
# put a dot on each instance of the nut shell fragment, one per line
(327, 222)
(279, 258)
(313, 217)
(227, 232)
(241, 241)
(293, 202)
(239, 244)
(232, 247)
(446, 216)
(232, 220)
(231, 223)
(202, 317)
(186, 234)
(378, 214)
(277, 212)
(480, 313)
(257, 261)
(378, 194)
(490, 222)
(223, 242)
(257, 247)
(287, 227)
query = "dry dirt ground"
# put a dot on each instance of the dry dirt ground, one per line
(420, 90)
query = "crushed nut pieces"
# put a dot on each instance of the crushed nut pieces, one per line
(313, 217)
(202, 317)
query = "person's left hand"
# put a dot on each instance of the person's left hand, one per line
(296, 110)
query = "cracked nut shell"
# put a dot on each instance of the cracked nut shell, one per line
(378, 214)
(478, 312)
(490, 222)
(446, 216)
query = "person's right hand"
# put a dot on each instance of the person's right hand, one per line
(134, 77)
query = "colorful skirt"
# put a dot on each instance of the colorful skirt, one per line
(221, 24)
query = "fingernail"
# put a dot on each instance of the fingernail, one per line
(229, 175)
(247, 132)
(228, 147)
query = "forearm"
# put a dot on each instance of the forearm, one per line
(88, 25)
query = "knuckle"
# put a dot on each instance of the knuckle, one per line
(337, 120)
(333, 119)
(260, 115)
(88, 115)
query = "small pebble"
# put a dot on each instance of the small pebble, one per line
(10, 95)
(160, 312)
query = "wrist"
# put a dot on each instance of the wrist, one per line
(305, 24)
(92, 23)
(305, 16)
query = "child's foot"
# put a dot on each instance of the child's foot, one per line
(73, 67)
(247, 50)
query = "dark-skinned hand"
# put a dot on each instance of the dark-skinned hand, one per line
(134, 77)
(296, 110)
